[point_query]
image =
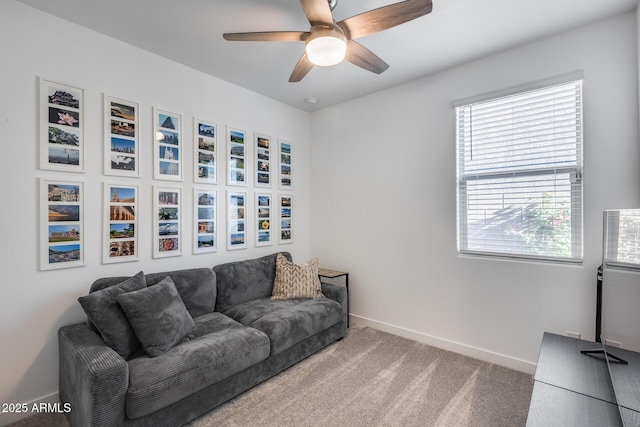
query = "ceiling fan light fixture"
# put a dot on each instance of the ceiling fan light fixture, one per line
(326, 47)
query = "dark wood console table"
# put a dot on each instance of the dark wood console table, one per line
(574, 389)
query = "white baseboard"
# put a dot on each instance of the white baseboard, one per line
(7, 418)
(466, 350)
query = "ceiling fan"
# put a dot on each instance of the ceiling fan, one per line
(329, 42)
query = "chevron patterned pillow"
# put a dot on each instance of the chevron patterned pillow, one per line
(296, 281)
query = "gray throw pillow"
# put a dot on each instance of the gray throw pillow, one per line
(102, 309)
(158, 316)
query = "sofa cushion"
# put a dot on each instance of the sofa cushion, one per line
(296, 281)
(251, 311)
(225, 348)
(158, 316)
(242, 281)
(104, 312)
(196, 286)
(287, 322)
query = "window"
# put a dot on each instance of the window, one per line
(622, 238)
(519, 174)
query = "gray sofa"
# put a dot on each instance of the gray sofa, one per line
(240, 338)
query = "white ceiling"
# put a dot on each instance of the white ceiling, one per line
(457, 31)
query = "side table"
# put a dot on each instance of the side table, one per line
(332, 274)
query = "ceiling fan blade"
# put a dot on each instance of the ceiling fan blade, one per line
(364, 58)
(269, 36)
(301, 69)
(385, 17)
(318, 12)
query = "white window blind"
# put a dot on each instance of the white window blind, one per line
(622, 238)
(520, 174)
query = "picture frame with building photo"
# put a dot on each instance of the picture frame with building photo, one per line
(120, 229)
(285, 207)
(167, 146)
(61, 127)
(61, 224)
(236, 220)
(263, 222)
(262, 162)
(121, 137)
(236, 157)
(205, 226)
(167, 240)
(206, 152)
(285, 165)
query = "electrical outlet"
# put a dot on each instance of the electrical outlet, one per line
(575, 335)
(613, 343)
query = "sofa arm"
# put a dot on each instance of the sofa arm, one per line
(339, 294)
(93, 378)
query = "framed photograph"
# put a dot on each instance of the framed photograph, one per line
(61, 127)
(61, 224)
(264, 225)
(166, 224)
(286, 176)
(236, 220)
(120, 231)
(205, 151)
(121, 137)
(205, 226)
(167, 147)
(285, 206)
(262, 150)
(236, 157)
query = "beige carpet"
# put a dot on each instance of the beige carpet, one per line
(372, 378)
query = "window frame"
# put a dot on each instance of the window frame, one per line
(575, 176)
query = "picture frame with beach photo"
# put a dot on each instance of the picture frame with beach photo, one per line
(61, 224)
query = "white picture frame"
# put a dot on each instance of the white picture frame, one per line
(61, 224)
(263, 219)
(121, 137)
(167, 145)
(285, 217)
(206, 151)
(205, 224)
(61, 127)
(263, 161)
(285, 165)
(237, 157)
(167, 202)
(120, 223)
(236, 220)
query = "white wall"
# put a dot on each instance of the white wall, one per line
(34, 304)
(384, 200)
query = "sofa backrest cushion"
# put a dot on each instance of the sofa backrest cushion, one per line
(247, 280)
(197, 287)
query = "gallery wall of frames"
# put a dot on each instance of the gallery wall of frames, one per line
(256, 194)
